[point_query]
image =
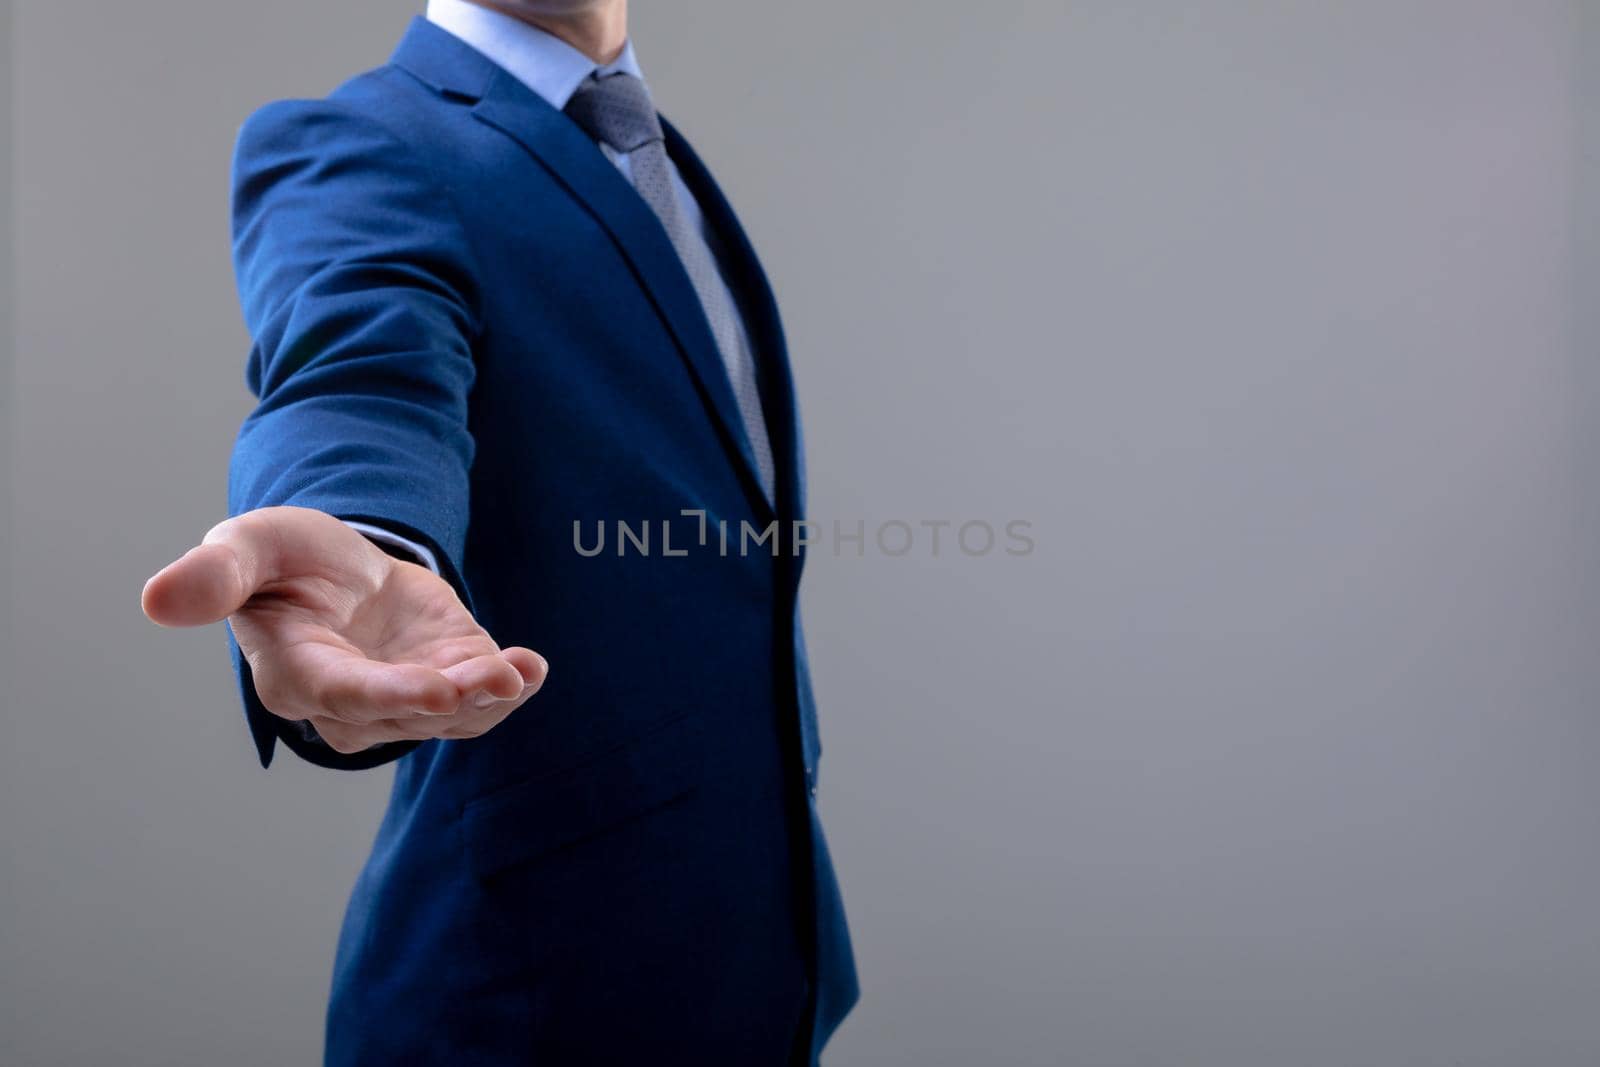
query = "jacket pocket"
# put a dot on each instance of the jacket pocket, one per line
(525, 821)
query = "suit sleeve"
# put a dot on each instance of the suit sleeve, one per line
(357, 288)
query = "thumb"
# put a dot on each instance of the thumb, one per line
(214, 579)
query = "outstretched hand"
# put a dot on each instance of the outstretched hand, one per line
(366, 647)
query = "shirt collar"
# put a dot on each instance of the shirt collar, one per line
(542, 61)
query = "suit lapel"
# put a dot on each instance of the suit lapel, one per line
(760, 308)
(575, 161)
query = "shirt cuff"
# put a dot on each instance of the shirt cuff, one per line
(389, 539)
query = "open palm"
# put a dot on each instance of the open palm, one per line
(365, 647)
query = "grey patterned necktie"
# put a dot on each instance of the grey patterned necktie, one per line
(616, 111)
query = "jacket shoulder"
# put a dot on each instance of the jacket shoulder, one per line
(385, 102)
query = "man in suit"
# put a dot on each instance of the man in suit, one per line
(495, 301)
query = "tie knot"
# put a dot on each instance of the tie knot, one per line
(616, 110)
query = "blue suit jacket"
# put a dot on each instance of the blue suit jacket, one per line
(469, 328)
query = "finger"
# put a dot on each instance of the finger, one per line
(207, 584)
(350, 738)
(315, 679)
(346, 738)
(486, 680)
(528, 663)
(214, 579)
(481, 720)
(469, 722)
(470, 719)
(359, 690)
(472, 723)
(478, 723)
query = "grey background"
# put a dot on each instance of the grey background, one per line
(7, 332)
(1276, 320)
